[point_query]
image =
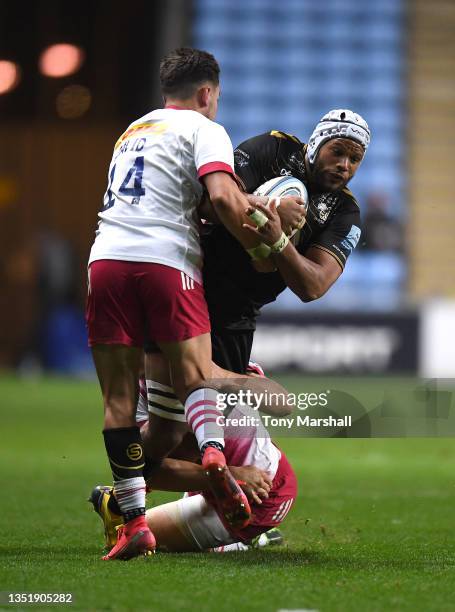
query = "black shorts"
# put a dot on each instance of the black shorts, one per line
(231, 350)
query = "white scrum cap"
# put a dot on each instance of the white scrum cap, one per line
(338, 123)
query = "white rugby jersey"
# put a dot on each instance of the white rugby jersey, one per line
(149, 211)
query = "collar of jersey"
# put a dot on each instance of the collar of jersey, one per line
(175, 107)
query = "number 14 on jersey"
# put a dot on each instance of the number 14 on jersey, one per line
(131, 185)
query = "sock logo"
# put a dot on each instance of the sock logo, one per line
(134, 451)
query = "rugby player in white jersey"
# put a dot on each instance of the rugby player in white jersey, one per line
(145, 279)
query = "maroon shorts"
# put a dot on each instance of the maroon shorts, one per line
(129, 302)
(274, 509)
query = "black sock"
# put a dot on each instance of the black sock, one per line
(129, 515)
(125, 452)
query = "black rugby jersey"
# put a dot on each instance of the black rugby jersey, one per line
(234, 290)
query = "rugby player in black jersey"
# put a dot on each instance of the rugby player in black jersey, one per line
(235, 291)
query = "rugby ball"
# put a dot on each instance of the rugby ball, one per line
(283, 186)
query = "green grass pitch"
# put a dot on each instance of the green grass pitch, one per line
(372, 529)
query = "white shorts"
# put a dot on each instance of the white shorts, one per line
(200, 522)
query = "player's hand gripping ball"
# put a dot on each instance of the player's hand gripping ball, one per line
(292, 213)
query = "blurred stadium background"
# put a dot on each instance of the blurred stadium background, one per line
(373, 526)
(73, 75)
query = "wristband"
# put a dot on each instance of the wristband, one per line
(280, 244)
(258, 218)
(262, 251)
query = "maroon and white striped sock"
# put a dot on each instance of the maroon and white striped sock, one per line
(204, 417)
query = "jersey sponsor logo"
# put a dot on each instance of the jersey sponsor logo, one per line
(352, 239)
(241, 158)
(187, 282)
(296, 160)
(324, 204)
(337, 248)
(323, 210)
(148, 127)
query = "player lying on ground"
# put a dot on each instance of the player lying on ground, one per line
(145, 274)
(193, 523)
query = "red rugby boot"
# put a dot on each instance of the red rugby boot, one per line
(134, 539)
(229, 496)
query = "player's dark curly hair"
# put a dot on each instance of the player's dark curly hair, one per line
(185, 69)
